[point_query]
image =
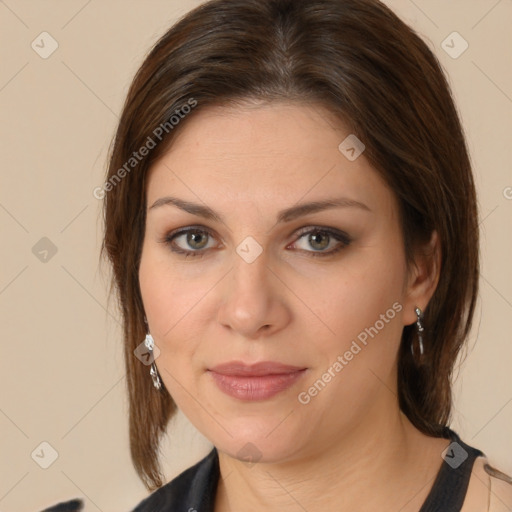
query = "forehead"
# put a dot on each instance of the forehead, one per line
(271, 155)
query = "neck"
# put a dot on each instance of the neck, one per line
(390, 458)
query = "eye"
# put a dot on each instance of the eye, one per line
(320, 238)
(193, 241)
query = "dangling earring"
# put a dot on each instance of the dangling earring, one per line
(150, 343)
(419, 314)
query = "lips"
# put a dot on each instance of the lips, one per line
(258, 381)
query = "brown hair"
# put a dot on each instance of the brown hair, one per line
(360, 61)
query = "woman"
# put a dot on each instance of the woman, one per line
(291, 218)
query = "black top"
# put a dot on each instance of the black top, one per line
(195, 488)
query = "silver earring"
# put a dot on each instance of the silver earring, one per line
(419, 314)
(150, 343)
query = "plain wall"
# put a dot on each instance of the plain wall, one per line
(62, 376)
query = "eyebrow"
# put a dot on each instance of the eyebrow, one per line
(285, 215)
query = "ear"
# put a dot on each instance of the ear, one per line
(422, 279)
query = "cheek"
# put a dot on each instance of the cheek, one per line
(167, 295)
(355, 296)
(156, 292)
(363, 309)
(169, 307)
(175, 306)
(356, 365)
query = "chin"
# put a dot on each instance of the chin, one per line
(260, 441)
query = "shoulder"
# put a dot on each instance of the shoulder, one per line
(193, 487)
(489, 489)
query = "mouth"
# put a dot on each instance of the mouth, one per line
(259, 381)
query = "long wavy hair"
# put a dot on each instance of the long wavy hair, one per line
(361, 62)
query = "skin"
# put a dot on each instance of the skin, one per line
(247, 162)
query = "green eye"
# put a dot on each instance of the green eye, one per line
(195, 240)
(320, 238)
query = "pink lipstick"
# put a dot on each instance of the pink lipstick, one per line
(258, 381)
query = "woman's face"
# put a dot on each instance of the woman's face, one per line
(249, 283)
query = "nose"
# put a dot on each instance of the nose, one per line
(253, 299)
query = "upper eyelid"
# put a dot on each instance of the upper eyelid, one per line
(301, 230)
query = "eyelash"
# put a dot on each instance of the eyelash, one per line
(340, 236)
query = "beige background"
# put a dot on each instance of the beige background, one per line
(62, 377)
